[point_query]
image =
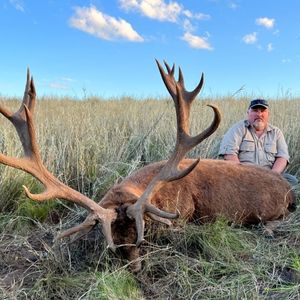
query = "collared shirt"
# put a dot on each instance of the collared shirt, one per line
(242, 141)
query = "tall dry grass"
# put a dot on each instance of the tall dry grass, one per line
(90, 145)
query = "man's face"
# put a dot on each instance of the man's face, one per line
(258, 117)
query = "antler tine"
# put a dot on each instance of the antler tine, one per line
(32, 96)
(184, 143)
(170, 71)
(27, 88)
(5, 112)
(28, 100)
(32, 164)
(194, 141)
(29, 97)
(168, 79)
(180, 78)
(193, 94)
(190, 96)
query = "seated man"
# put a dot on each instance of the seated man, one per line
(255, 141)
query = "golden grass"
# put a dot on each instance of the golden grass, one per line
(92, 134)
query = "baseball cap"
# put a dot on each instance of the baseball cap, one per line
(259, 102)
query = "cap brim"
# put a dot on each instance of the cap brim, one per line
(259, 105)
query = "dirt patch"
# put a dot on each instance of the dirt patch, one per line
(20, 257)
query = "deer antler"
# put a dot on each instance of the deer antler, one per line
(32, 164)
(184, 143)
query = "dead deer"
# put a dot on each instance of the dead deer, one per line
(163, 190)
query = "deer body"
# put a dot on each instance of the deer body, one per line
(244, 194)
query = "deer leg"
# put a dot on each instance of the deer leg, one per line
(269, 227)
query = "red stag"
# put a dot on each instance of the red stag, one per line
(195, 191)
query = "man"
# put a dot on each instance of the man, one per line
(255, 141)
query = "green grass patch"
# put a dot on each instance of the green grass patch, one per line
(115, 286)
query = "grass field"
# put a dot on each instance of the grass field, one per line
(90, 145)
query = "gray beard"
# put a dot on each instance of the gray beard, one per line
(259, 126)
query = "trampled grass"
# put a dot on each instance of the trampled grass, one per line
(92, 144)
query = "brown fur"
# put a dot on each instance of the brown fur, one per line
(244, 194)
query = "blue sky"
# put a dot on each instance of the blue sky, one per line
(108, 48)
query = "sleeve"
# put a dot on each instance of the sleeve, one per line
(232, 140)
(282, 148)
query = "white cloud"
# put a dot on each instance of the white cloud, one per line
(58, 86)
(250, 38)
(68, 79)
(266, 22)
(170, 12)
(197, 42)
(154, 9)
(197, 16)
(18, 5)
(62, 83)
(159, 10)
(187, 25)
(270, 47)
(94, 22)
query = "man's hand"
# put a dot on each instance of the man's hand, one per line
(232, 157)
